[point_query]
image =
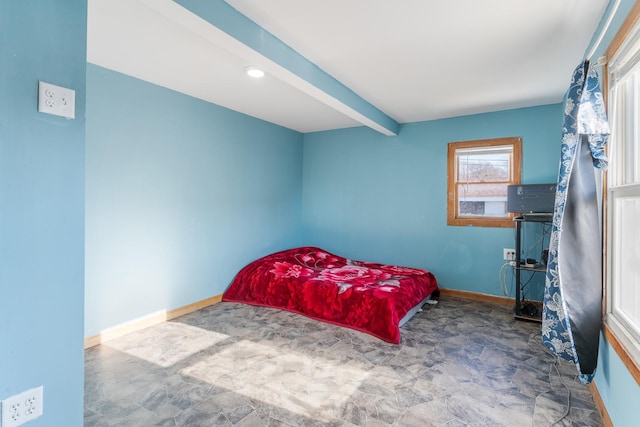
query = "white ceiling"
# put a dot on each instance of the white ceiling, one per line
(413, 60)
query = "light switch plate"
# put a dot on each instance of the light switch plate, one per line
(56, 100)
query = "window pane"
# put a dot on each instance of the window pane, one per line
(625, 97)
(628, 128)
(625, 260)
(482, 200)
(479, 167)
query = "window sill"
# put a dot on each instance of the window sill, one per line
(481, 222)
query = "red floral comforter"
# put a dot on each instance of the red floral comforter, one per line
(365, 296)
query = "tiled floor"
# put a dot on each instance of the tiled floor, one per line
(460, 363)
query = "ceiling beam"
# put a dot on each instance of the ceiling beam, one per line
(218, 22)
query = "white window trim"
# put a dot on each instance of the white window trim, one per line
(623, 55)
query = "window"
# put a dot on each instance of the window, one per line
(622, 233)
(478, 175)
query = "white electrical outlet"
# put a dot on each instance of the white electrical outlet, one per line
(23, 407)
(56, 100)
(508, 254)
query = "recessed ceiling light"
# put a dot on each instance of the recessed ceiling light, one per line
(254, 72)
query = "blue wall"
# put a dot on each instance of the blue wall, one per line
(380, 198)
(180, 195)
(42, 207)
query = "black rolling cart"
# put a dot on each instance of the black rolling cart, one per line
(528, 266)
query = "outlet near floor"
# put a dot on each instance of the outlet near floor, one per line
(23, 407)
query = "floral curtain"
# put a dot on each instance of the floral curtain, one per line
(572, 312)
